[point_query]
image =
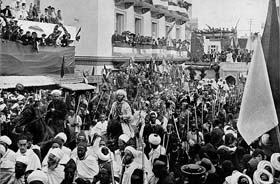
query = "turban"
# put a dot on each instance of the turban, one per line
(58, 141)
(56, 92)
(38, 175)
(265, 140)
(2, 150)
(5, 139)
(104, 156)
(257, 177)
(62, 136)
(134, 152)
(82, 144)
(274, 161)
(233, 179)
(154, 139)
(22, 159)
(263, 164)
(57, 152)
(153, 112)
(125, 138)
(121, 92)
(1, 100)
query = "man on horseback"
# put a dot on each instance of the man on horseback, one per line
(56, 112)
(121, 112)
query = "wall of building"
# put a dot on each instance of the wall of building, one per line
(208, 43)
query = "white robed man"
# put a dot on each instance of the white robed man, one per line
(119, 153)
(101, 126)
(133, 160)
(87, 165)
(54, 170)
(33, 162)
(63, 137)
(56, 143)
(157, 149)
(8, 159)
(121, 111)
(37, 177)
(7, 167)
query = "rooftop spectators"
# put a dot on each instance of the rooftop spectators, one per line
(129, 39)
(20, 11)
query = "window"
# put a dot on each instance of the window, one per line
(166, 30)
(154, 29)
(178, 33)
(138, 26)
(119, 22)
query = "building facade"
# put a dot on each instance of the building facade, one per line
(142, 29)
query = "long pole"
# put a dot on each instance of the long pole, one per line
(112, 169)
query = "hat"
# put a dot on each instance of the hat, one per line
(22, 159)
(235, 177)
(56, 92)
(154, 139)
(2, 150)
(194, 170)
(5, 139)
(263, 164)
(257, 177)
(104, 153)
(275, 161)
(134, 152)
(62, 136)
(38, 175)
(57, 152)
(124, 138)
(207, 164)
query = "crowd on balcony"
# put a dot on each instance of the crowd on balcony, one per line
(134, 40)
(230, 55)
(10, 30)
(20, 11)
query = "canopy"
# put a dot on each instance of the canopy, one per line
(7, 82)
(78, 87)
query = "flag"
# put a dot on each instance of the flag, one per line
(270, 42)
(62, 68)
(85, 80)
(257, 113)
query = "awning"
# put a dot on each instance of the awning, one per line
(7, 82)
(78, 87)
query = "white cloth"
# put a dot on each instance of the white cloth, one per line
(34, 162)
(155, 153)
(64, 160)
(100, 128)
(87, 168)
(55, 176)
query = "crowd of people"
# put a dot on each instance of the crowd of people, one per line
(230, 55)
(20, 11)
(134, 40)
(10, 30)
(150, 131)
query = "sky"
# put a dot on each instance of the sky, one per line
(226, 13)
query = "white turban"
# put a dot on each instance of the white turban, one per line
(2, 150)
(257, 177)
(5, 139)
(264, 163)
(154, 139)
(124, 138)
(56, 92)
(102, 156)
(38, 175)
(134, 152)
(233, 179)
(121, 92)
(57, 152)
(22, 159)
(62, 136)
(274, 161)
